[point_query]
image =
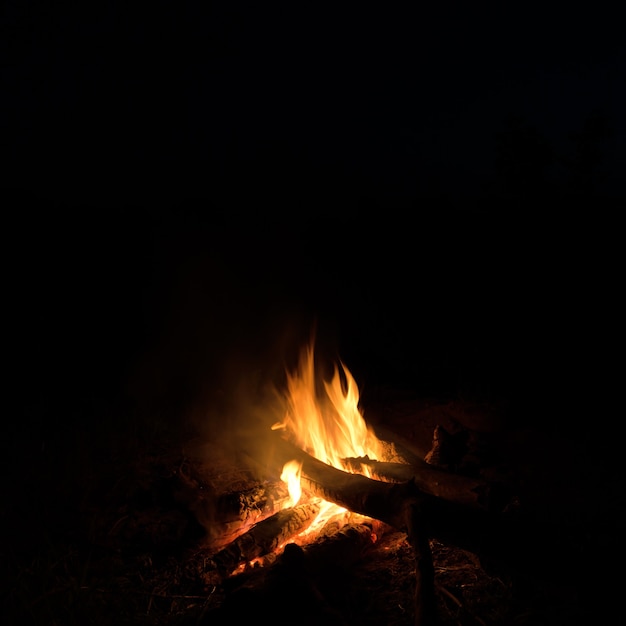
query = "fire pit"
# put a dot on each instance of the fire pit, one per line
(314, 504)
(308, 501)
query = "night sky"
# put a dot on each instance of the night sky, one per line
(380, 106)
(187, 181)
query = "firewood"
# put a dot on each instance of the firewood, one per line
(227, 515)
(238, 511)
(417, 526)
(298, 578)
(449, 519)
(354, 492)
(334, 545)
(378, 499)
(265, 537)
(346, 545)
(401, 505)
(464, 490)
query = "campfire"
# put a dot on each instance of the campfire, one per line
(205, 482)
(319, 488)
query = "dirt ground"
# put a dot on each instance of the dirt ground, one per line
(96, 533)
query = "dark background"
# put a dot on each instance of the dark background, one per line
(434, 189)
(190, 189)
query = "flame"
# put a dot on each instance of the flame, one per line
(328, 426)
(291, 476)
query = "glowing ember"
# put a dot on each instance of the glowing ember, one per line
(329, 426)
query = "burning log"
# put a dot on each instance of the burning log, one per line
(300, 578)
(406, 506)
(227, 515)
(335, 546)
(464, 490)
(346, 545)
(265, 537)
(354, 492)
(401, 505)
(236, 512)
(445, 492)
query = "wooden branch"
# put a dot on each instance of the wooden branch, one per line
(451, 521)
(425, 599)
(381, 500)
(464, 490)
(357, 493)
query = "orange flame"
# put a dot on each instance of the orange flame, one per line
(329, 427)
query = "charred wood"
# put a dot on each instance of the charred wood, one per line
(238, 511)
(452, 522)
(336, 546)
(463, 490)
(265, 537)
(226, 516)
(401, 505)
(444, 493)
(345, 546)
(441, 506)
(300, 581)
(416, 529)
(357, 493)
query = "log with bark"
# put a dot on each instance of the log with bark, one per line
(265, 537)
(384, 500)
(464, 490)
(227, 515)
